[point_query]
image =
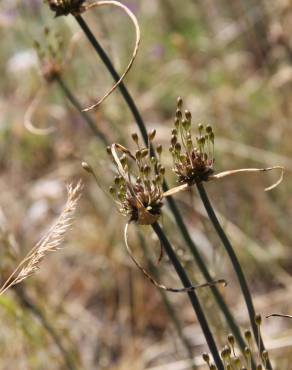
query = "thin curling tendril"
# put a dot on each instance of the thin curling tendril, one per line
(279, 315)
(161, 286)
(136, 47)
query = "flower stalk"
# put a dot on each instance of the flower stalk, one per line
(236, 266)
(171, 202)
(192, 295)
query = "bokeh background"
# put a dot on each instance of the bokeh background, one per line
(231, 63)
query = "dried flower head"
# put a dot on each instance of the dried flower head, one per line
(138, 189)
(193, 159)
(50, 55)
(138, 192)
(65, 7)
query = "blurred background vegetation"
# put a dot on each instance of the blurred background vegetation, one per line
(231, 62)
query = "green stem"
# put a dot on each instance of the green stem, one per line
(174, 209)
(236, 266)
(168, 305)
(192, 295)
(73, 100)
(36, 311)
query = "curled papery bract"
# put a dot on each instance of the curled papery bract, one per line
(28, 116)
(248, 170)
(279, 315)
(161, 286)
(136, 47)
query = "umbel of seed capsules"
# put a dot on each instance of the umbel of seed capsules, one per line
(137, 188)
(65, 7)
(193, 158)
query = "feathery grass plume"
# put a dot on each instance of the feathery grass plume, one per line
(193, 159)
(76, 7)
(50, 242)
(138, 194)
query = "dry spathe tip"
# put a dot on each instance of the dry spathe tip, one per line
(133, 18)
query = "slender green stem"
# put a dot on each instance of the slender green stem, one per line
(236, 265)
(74, 101)
(192, 295)
(174, 209)
(37, 312)
(168, 305)
(205, 272)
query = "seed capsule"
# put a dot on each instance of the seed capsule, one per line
(177, 147)
(206, 357)
(174, 131)
(178, 114)
(135, 137)
(112, 190)
(173, 140)
(209, 129)
(159, 149)
(258, 319)
(176, 122)
(247, 335)
(188, 115)
(179, 102)
(231, 339)
(144, 152)
(151, 135)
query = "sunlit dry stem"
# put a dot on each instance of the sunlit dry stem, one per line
(160, 286)
(136, 47)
